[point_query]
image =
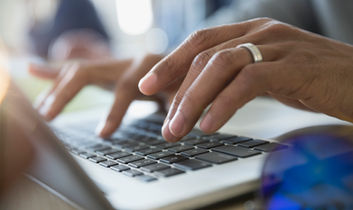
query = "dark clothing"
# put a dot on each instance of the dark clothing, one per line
(70, 15)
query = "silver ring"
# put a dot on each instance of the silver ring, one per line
(254, 51)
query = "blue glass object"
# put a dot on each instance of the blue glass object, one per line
(316, 172)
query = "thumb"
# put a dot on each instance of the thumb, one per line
(43, 71)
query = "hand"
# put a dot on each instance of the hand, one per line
(71, 78)
(299, 68)
(80, 44)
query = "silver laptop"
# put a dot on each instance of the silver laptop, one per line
(136, 168)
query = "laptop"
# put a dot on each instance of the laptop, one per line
(136, 168)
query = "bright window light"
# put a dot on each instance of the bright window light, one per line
(134, 16)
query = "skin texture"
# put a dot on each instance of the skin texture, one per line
(299, 68)
(120, 75)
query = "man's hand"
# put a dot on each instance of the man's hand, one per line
(124, 75)
(299, 68)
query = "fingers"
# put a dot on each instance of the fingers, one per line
(177, 64)
(252, 81)
(189, 105)
(43, 71)
(66, 89)
(126, 91)
(73, 77)
(190, 102)
(61, 74)
(121, 103)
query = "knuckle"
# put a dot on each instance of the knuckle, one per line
(263, 19)
(200, 61)
(223, 58)
(198, 38)
(202, 58)
(276, 28)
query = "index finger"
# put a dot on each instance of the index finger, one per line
(176, 65)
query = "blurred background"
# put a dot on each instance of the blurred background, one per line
(131, 26)
(59, 30)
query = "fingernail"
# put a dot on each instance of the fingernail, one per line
(176, 126)
(147, 82)
(206, 123)
(166, 132)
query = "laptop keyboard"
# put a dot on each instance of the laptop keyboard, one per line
(139, 151)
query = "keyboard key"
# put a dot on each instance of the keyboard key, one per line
(132, 173)
(117, 155)
(97, 159)
(196, 141)
(87, 155)
(148, 151)
(140, 163)
(209, 145)
(98, 147)
(271, 147)
(154, 167)
(181, 148)
(77, 151)
(146, 178)
(218, 136)
(135, 148)
(172, 159)
(167, 145)
(168, 172)
(129, 159)
(235, 140)
(196, 132)
(120, 168)
(154, 142)
(252, 143)
(215, 157)
(236, 151)
(224, 136)
(93, 147)
(191, 164)
(193, 152)
(108, 163)
(107, 152)
(159, 155)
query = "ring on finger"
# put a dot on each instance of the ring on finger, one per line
(254, 51)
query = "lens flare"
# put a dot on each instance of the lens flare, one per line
(134, 16)
(316, 172)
